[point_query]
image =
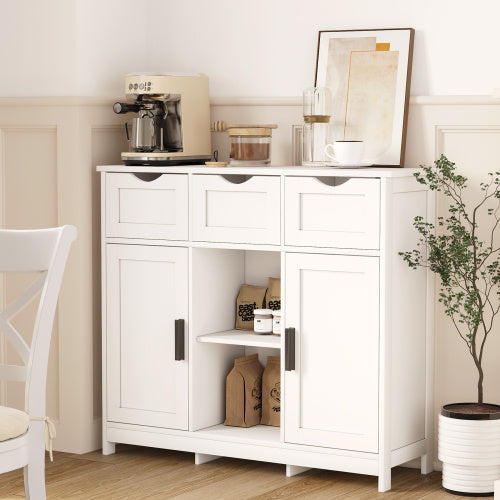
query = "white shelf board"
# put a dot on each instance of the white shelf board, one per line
(258, 434)
(241, 337)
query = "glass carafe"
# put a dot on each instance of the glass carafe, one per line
(317, 104)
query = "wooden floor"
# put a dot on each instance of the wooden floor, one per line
(144, 473)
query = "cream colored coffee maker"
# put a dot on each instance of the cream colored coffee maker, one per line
(173, 122)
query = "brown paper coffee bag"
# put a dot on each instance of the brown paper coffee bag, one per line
(271, 392)
(249, 298)
(273, 294)
(244, 392)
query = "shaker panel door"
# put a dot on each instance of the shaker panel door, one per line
(331, 397)
(146, 293)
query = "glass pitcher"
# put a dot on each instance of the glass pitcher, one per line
(317, 105)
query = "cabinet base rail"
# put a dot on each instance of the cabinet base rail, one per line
(207, 449)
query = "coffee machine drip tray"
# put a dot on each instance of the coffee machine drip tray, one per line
(161, 159)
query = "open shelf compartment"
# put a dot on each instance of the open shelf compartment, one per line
(214, 341)
(240, 337)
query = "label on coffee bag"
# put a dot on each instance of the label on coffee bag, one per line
(249, 298)
(271, 392)
(273, 294)
(245, 311)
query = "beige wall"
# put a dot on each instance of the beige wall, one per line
(85, 47)
(49, 149)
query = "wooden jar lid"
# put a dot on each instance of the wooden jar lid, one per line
(216, 164)
(254, 131)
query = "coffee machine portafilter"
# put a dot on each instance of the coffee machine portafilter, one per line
(150, 131)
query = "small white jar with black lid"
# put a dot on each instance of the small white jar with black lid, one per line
(277, 322)
(263, 321)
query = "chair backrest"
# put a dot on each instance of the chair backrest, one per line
(44, 251)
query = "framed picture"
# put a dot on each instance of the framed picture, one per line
(369, 73)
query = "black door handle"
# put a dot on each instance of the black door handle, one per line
(289, 349)
(179, 340)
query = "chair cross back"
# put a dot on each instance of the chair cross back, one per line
(16, 372)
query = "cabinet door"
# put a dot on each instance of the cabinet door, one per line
(147, 290)
(331, 397)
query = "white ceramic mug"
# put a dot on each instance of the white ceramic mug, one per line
(346, 152)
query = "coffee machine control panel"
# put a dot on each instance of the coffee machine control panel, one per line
(160, 84)
(141, 87)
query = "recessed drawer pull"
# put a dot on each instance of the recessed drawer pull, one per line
(236, 178)
(147, 176)
(333, 181)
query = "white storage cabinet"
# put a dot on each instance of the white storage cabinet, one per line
(356, 381)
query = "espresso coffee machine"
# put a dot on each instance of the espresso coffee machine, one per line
(172, 126)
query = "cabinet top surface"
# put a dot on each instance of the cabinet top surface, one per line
(271, 170)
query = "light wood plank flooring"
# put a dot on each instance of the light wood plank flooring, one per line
(145, 473)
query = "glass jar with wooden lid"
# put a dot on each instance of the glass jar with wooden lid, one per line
(250, 145)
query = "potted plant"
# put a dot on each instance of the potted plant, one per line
(469, 271)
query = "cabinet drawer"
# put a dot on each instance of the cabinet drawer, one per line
(156, 209)
(236, 209)
(333, 214)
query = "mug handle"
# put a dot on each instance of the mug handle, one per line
(330, 155)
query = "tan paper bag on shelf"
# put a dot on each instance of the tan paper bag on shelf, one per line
(271, 392)
(273, 294)
(249, 298)
(244, 392)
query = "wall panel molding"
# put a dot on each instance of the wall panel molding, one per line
(68, 123)
(443, 130)
(26, 149)
(442, 100)
(65, 101)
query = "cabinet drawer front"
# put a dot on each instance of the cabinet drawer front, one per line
(338, 216)
(248, 212)
(153, 210)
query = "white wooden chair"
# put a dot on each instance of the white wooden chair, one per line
(22, 434)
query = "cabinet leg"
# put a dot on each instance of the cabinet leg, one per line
(426, 466)
(108, 448)
(497, 489)
(293, 470)
(384, 480)
(202, 458)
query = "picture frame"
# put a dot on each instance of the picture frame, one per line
(369, 74)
